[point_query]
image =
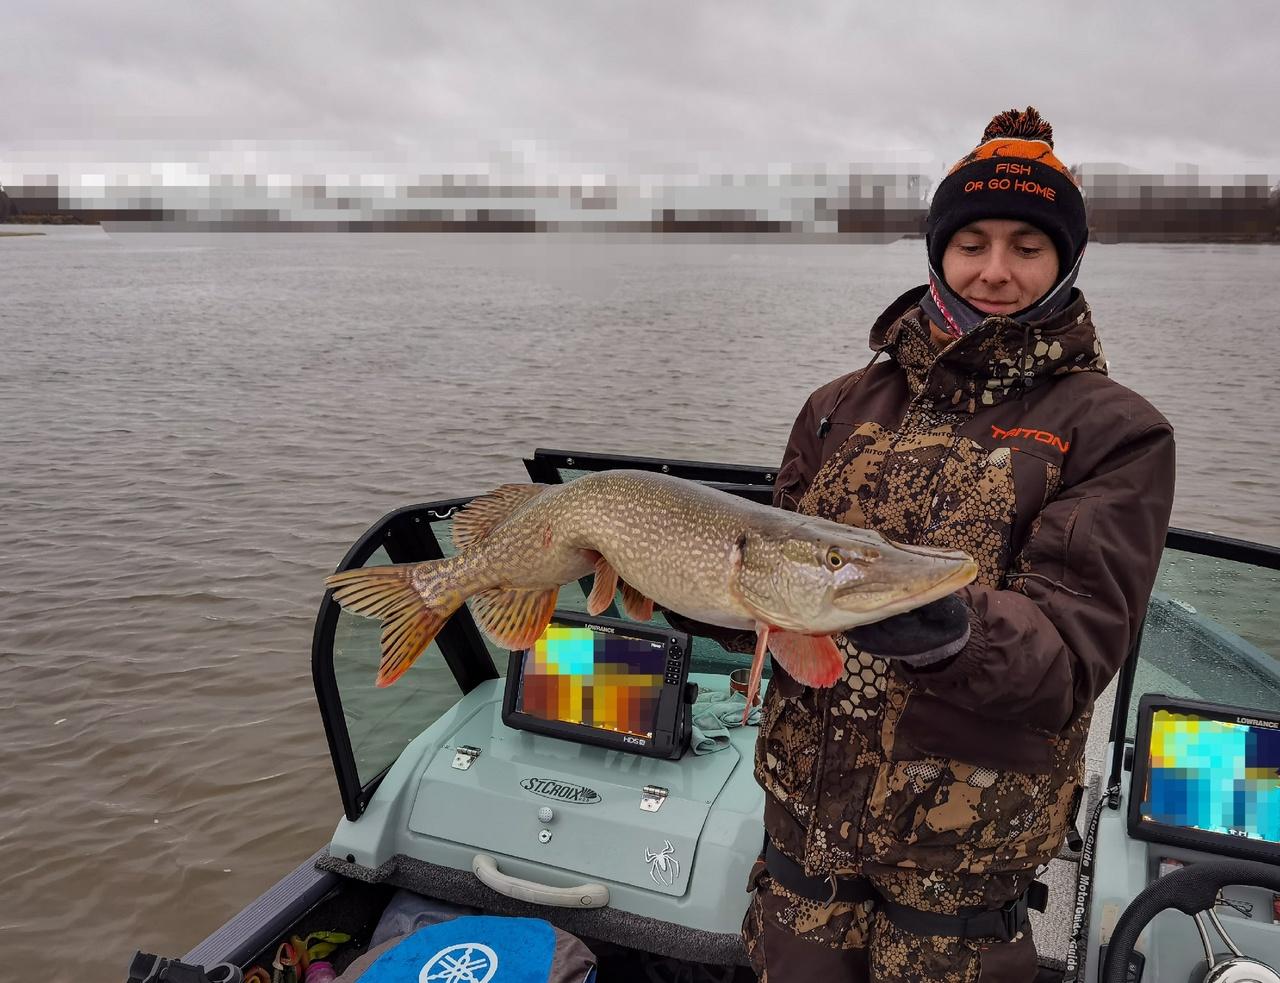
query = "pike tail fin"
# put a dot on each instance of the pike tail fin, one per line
(409, 621)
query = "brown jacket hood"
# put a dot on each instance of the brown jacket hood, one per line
(998, 359)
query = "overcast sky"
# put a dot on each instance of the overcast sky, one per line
(563, 87)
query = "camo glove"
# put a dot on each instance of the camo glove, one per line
(927, 638)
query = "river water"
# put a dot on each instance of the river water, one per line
(193, 429)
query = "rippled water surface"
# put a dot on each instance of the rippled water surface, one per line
(192, 430)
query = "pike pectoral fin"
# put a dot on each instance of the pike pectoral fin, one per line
(811, 660)
(409, 623)
(637, 606)
(603, 587)
(514, 618)
(481, 514)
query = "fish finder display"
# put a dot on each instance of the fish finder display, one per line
(606, 682)
(1218, 776)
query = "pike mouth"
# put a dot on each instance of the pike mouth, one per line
(934, 552)
(906, 602)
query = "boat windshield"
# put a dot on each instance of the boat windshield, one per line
(1213, 626)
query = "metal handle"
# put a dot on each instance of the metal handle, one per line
(578, 896)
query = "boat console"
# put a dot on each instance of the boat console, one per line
(552, 821)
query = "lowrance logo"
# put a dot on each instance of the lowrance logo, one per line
(1255, 722)
(561, 791)
(604, 628)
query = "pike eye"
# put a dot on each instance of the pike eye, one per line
(834, 560)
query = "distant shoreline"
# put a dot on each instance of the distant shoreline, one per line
(14, 235)
(637, 232)
(664, 232)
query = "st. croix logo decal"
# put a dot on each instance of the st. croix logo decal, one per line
(552, 788)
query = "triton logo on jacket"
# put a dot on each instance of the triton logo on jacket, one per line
(1042, 436)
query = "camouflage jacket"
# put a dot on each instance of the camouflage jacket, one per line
(1013, 444)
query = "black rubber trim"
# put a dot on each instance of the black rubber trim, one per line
(736, 474)
(264, 919)
(1223, 548)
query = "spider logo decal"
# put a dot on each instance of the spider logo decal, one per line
(664, 868)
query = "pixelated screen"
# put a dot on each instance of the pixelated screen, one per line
(607, 682)
(1213, 775)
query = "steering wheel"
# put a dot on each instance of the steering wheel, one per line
(1193, 890)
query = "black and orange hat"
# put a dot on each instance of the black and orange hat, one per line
(1012, 174)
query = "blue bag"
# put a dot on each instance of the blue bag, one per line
(478, 949)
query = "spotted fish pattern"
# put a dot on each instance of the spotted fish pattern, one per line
(663, 540)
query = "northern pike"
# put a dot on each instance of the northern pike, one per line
(695, 550)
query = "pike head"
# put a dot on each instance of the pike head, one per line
(816, 577)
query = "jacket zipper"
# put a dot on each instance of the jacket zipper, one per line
(815, 787)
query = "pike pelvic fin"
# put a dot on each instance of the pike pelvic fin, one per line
(811, 660)
(408, 622)
(514, 618)
(603, 587)
(757, 667)
(636, 605)
(480, 515)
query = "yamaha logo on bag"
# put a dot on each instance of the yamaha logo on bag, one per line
(561, 791)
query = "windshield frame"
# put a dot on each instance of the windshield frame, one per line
(408, 536)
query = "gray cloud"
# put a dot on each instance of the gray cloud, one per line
(644, 84)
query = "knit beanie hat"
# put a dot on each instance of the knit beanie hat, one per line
(1011, 174)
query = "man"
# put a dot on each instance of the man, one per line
(908, 806)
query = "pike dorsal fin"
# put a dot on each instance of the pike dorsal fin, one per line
(811, 660)
(480, 515)
(603, 587)
(513, 618)
(637, 606)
